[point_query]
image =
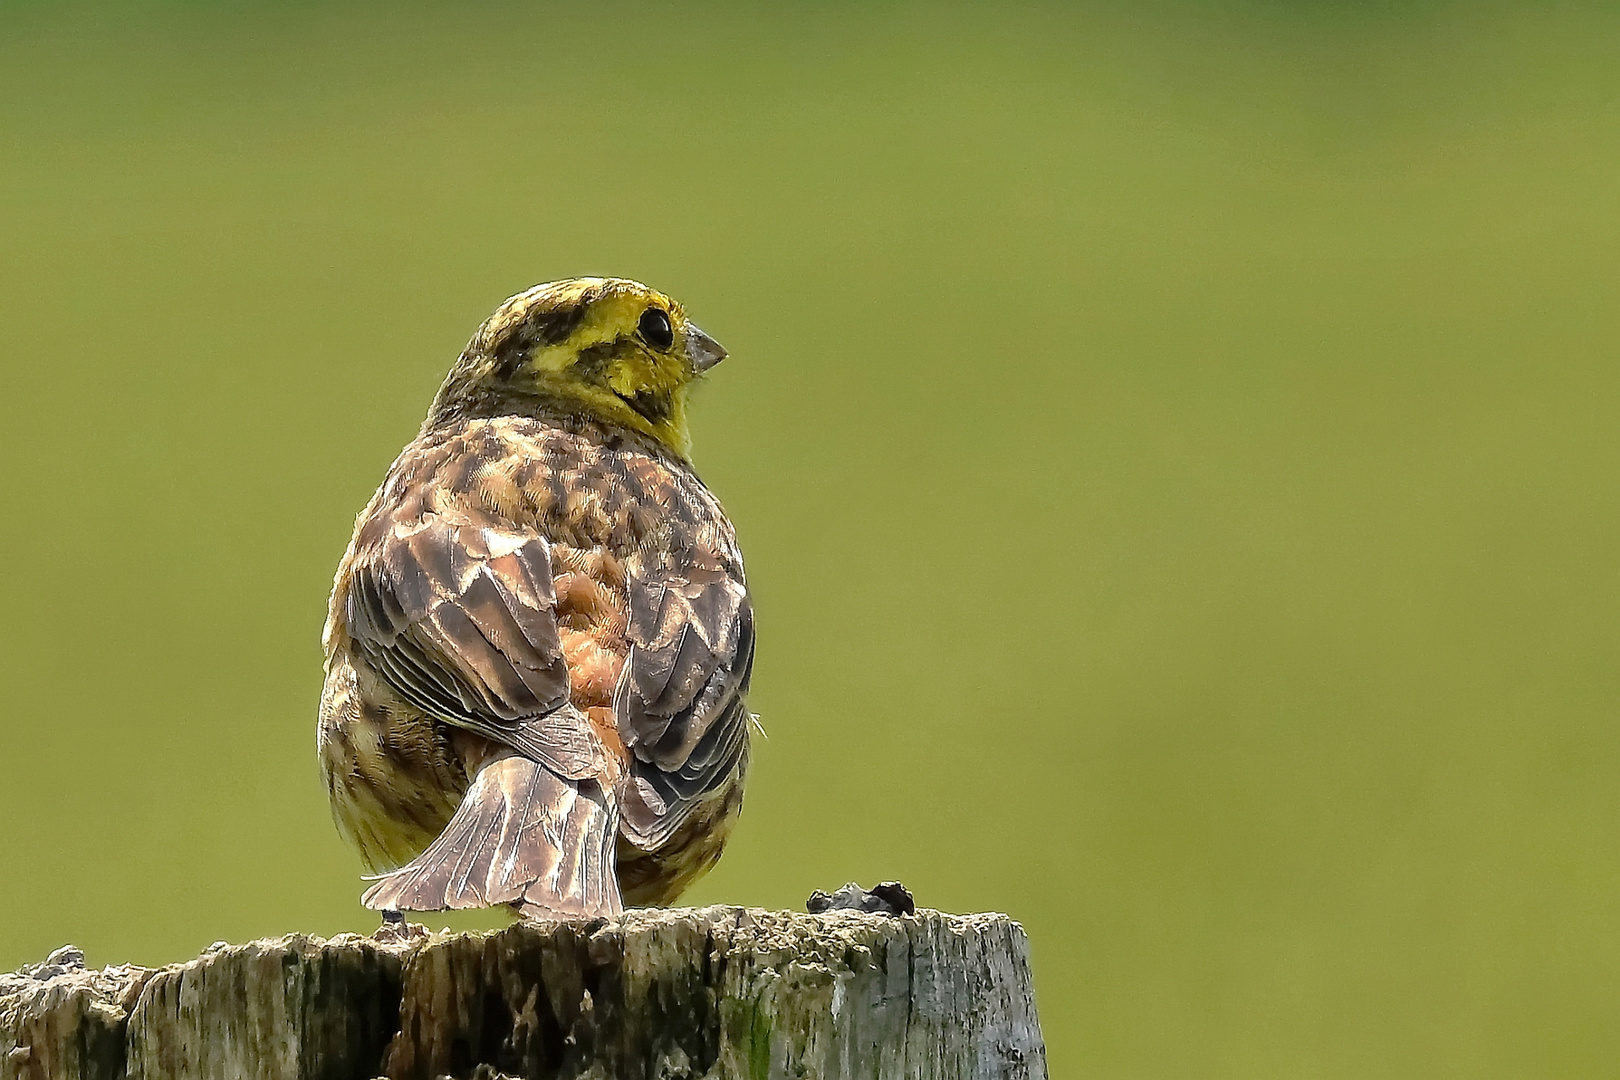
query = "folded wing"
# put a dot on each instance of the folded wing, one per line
(680, 702)
(460, 620)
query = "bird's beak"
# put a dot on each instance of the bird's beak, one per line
(702, 350)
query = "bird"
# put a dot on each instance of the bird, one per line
(540, 638)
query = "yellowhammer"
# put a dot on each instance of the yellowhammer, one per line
(540, 638)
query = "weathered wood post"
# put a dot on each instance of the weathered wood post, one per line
(720, 993)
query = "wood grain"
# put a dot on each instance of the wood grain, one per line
(717, 993)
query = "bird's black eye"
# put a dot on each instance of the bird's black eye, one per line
(655, 328)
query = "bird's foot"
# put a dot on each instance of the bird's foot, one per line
(396, 931)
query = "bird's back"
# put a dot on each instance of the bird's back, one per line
(558, 589)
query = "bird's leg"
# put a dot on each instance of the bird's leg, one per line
(396, 931)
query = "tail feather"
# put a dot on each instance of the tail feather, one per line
(522, 836)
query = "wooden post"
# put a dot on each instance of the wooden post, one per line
(718, 993)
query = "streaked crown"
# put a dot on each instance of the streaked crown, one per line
(605, 349)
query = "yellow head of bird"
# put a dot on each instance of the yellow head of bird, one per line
(604, 349)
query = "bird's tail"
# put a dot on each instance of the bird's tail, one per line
(522, 836)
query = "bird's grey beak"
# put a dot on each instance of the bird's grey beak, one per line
(702, 350)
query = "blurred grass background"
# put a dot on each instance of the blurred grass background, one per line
(1173, 445)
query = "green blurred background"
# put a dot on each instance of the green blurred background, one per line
(1173, 446)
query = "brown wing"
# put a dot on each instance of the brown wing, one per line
(680, 703)
(460, 620)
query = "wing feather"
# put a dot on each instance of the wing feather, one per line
(460, 620)
(680, 703)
